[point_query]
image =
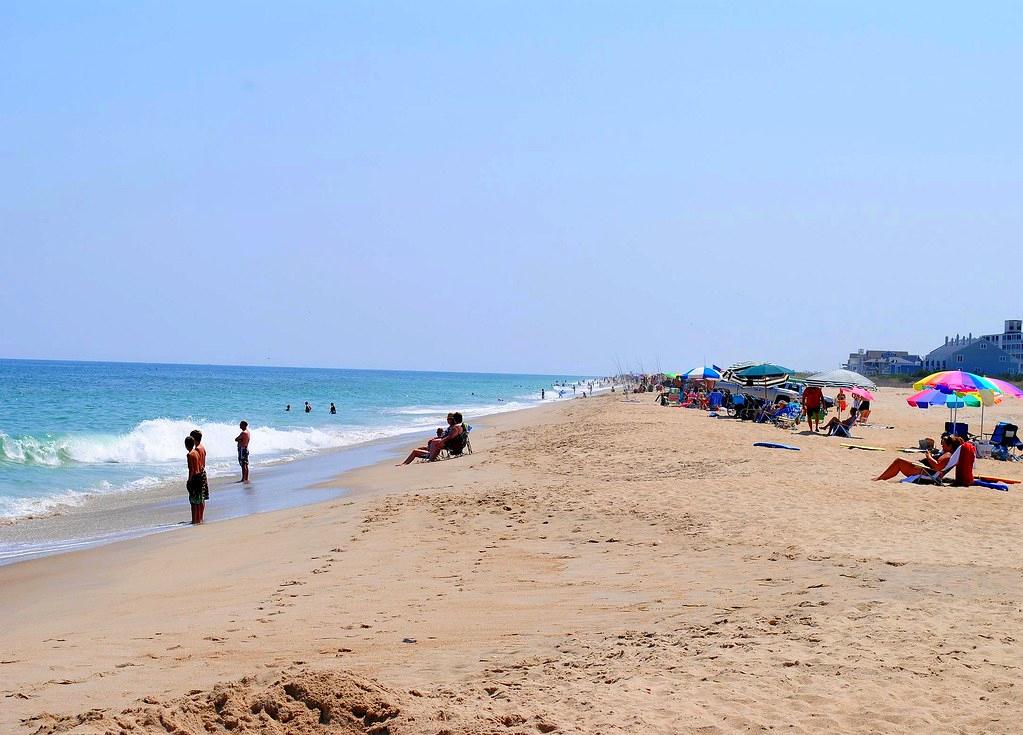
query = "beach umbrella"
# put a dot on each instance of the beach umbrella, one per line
(954, 401)
(841, 378)
(989, 390)
(1006, 388)
(955, 381)
(764, 374)
(929, 397)
(765, 371)
(702, 373)
(863, 393)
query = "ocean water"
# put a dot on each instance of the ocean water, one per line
(71, 430)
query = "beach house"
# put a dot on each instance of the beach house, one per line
(972, 354)
(1010, 340)
(883, 362)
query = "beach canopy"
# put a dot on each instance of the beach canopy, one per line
(703, 373)
(841, 378)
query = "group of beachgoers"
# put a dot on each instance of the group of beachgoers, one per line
(812, 405)
(309, 408)
(197, 484)
(452, 439)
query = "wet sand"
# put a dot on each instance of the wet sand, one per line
(602, 565)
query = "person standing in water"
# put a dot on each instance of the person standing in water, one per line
(308, 408)
(194, 482)
(333, 409)
(243, 449)
(543, 394)
(197, 437)
(287, 407)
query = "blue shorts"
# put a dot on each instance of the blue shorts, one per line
(243, 455)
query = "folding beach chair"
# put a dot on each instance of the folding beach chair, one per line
(1005, 441)
(957, 429)
(461, 445)
(788, 417)
(841, 431)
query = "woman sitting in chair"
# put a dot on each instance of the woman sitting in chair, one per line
(930, 466)
(434, 446)
(832, 427)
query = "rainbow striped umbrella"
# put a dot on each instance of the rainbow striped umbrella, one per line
(956, 381)
(932, 397)
(1006, 389)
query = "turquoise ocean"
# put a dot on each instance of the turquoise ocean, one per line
(70, 431)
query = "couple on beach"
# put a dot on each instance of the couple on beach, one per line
(197, 484)
(452, 438)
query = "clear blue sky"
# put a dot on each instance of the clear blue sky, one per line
(506, 186)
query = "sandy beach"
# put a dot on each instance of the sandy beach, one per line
(597, 566)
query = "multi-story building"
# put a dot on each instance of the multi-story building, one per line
(884, 362)
(972, 354)
(1011, 340)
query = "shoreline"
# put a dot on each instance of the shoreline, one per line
(105, 518)
(604, 565)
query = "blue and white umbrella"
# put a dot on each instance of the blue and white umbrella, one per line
(703, 373)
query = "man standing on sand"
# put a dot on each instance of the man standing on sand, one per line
(243, 449)
(194, 482)
(197, 437)
(813, 397)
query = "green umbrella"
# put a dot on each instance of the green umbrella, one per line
(765, 370)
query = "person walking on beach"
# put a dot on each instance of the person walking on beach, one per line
(813, 397)
(243, 450)
(197, 438)
(842, 402)
(194, 484)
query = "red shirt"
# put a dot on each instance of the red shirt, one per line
(812, 397)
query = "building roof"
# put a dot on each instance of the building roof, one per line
(953, 347)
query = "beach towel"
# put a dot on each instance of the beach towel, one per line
(977, 482)
(774, 445)
(1002, 480)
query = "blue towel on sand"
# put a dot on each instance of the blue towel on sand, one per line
(926, 480)
(773, 445)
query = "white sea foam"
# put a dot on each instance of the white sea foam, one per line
(157, 445)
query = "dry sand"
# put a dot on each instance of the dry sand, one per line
(600, 566)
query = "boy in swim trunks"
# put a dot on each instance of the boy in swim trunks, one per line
(194, 484)
(197, 437)
(243, 450)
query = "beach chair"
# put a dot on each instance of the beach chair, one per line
(841, 431)
(957, 429)
(788, 417)
(460, 445)
(1006, 441)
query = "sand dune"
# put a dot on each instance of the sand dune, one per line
(603, 566)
